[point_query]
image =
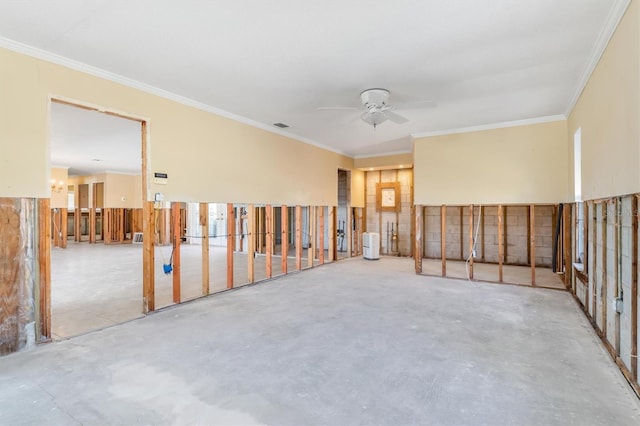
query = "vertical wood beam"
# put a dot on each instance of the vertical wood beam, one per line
(92, 213)
(230, 243)
(461, 232)
(63, 227)
(443, 238)
(417, 246)
(529, 235)
(321, 234)
(311, 252)
(634, 288)
(470, 240)
(482, 247)
(260, 229)
(532, 242)
(122, 227)
(617, 258)
(251, 244)
(284, 239)
(148, 257)
(412, 227)
(379, 217)
(106, 225)
(148, 232)
(298, 226)
(605, 279)
(77, 223)
(44, 263)
(348, 230)
(175, 217)
(204, 231)
(332, 233)
(567, 240)
(500, 242)
(268, 219)
(505, 246)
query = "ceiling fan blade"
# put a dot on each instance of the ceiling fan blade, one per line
(346, 108)
(396, 118)
(416, 105)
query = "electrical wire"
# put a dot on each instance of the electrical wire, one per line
(475, 241)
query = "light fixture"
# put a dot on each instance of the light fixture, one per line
(373, 117)
(57, 186)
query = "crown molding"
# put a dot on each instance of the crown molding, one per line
(616, 13)
(506, 124)
(386, 154)
(147, 88)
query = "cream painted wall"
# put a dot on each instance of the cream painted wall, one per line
(384, 162)
(357, 188)
(122, 191)
(60, 199)
(207, 157)
(608, 113)
(521, 164)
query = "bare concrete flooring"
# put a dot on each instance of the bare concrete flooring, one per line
(354, 342)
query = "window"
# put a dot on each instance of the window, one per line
(581, 208)
(577, 164)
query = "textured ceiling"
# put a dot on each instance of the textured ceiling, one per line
(483, 62)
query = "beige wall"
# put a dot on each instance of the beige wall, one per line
(207, 157)
(357, 188)
(122, 191)
(385, 162)
(521, 164)
(608, 113)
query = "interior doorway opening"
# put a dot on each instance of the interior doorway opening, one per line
(95, 212)
(343, 219)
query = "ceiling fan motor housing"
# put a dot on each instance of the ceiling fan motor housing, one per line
(374, 98)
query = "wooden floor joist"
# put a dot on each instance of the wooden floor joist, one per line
(230, 243)
(443, 238)
(203, 218)
(175, 255)
(284, 237)
(148, 257)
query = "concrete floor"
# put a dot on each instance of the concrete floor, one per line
(489, 272)
(354, 342)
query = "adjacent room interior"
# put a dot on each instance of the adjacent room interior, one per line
(147, 177)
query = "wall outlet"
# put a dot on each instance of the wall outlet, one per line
(473, 253)
(618, 305)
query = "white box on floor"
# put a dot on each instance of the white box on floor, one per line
(371, 245)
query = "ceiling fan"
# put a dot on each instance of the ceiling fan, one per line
(376, 108)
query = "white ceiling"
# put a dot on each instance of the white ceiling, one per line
(484, 62)
(89, 142)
